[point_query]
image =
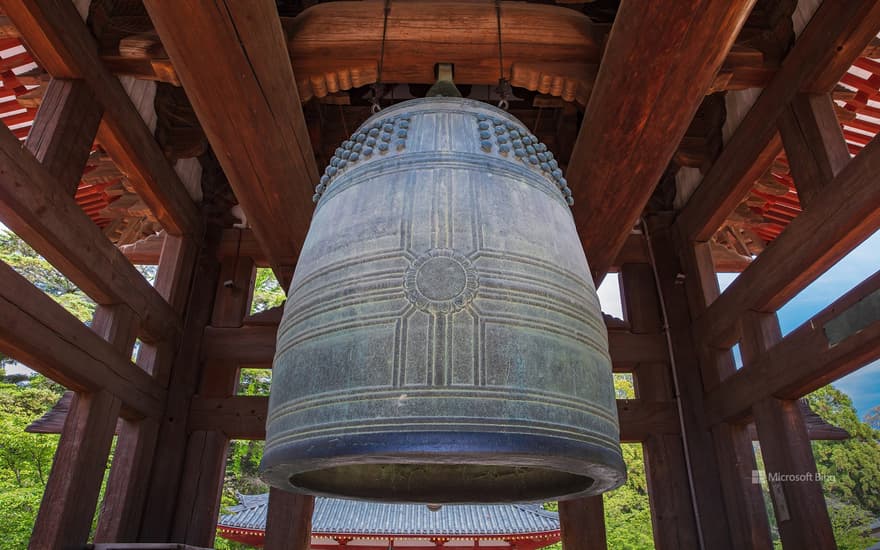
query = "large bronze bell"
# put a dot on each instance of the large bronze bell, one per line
(442, 340)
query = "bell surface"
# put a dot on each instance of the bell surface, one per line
(442, 340)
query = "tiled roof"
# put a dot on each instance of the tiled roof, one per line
(339, 517)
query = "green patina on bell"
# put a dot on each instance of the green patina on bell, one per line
(442, 340)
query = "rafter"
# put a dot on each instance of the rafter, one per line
(56, 35)
(835, 36)
(232, 60)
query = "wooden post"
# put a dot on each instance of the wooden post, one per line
(801, 512)
(198, 499)
(730, 511)
(583, 524)
(64, 130)
(168, 461)
(71, 494)
(127, 485)
(289, 521)
(666, 468)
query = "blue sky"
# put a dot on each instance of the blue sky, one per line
(863, 385)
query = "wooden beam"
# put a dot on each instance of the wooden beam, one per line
(729, 509)
(254, 345)
(183, 379)
(834, 37)
(679, 48)
(337, 46)
(289, 520)
(842, 216)
(244, 417)
(798, 500)
(71, 241)
(71, 494)
(128, 483)
(63, 45)
(41, 334)
(236, 71)
(583, 524)
(197, 505)
(64, 130)
(666, 467)
(80, 458)
(840, 339)
(814, 144)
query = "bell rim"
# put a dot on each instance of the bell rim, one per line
(602, 464)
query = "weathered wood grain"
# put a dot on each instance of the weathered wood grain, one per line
(56, 35)
(233, 62)
(64, 130)
(71, 242)
(37, 331)
(632, 126)
(844, 214)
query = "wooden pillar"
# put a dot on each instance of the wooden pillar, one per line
(127, 485)
(666, 468)
(168, 463)
(198, 499)
(71, 494)
(583, 524)
(289, 521)
(64, 130)
(730, 511)
(801, 512)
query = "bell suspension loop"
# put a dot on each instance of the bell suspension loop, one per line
(377, 87)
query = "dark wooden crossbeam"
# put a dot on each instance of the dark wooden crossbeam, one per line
(55, 34)
(40, 210)
(843, 214)
(841, 338)
(233, 62)
(633, 124)
(37, 331)
(834, 38)
(244, 417)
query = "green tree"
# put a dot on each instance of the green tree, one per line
(872, 417)
(267, 292)
(33, 267)
(852, 466)
(25, 458)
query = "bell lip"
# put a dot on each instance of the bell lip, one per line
(604, 466)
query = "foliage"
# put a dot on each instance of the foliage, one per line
(872, 418)
(852, 467)
(25, 458)
(33, 267)
(267, 292)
